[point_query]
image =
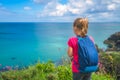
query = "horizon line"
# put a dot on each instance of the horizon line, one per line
(53, 22)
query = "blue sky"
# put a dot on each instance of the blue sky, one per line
(59, 10)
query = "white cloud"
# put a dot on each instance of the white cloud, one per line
(60, 10)
(76, 3)
(4, 11)
(74, 10)
(106, 15)
(41, 1)
(116, 1)
(73, 7)
(90, 2)
(111, 6)
(53, 10)
(27, 8)
(76, 7)
(37, 1)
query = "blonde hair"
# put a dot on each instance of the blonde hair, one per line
(82, 25)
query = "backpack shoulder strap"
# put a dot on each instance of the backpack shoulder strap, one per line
(91, 38)
(79, 38)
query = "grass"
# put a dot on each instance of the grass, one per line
(47, 71)
(101, 76)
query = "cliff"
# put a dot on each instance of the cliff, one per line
(113, 42)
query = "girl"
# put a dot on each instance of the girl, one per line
(80, 28)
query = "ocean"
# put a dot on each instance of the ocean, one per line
(23, 44)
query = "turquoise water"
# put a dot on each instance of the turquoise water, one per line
(25, 43)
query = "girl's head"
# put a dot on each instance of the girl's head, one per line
(80, 26)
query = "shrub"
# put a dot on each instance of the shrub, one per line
(110, 62)
(64, 73)
(46, 71)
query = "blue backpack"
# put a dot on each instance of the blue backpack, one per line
(87, 55)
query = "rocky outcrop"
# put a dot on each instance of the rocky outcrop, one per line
(113, 42)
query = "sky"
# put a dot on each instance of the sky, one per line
(59, 10)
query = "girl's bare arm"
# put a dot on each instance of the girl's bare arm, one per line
(70, 52)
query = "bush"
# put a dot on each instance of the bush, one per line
(111, 63)
(64, 73)
(46, 67)
(47, 71)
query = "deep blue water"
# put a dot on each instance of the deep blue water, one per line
(26, 43)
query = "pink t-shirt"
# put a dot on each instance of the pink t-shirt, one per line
(73, 42)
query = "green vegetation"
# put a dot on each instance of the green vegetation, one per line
(113, 42)
(111, 63)
(111, 58)
(48, 71)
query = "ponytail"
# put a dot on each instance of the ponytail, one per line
(82, 25)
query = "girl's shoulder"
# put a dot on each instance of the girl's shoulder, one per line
(72, 41)
(73, 38)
